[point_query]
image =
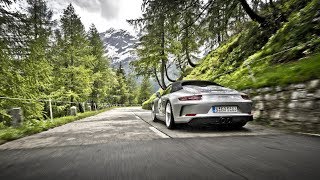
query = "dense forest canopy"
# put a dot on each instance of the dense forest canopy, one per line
(44, 59)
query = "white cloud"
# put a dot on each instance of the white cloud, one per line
(103, 13)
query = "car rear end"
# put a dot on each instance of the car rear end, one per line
(217, 106)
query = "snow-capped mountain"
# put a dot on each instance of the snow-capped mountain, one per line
(119, 47)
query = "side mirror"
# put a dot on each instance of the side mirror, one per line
(158, 94)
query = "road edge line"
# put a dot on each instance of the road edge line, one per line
(151, 125)
(309, 134)
(159, 133)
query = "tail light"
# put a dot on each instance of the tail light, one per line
(246, 97)
(190, 98)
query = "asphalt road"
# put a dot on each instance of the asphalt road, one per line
(124, 144)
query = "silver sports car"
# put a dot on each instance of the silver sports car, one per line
(201, 102)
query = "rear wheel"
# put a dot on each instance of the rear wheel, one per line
(169, 116)
(153, 114)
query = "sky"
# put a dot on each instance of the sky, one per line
(104, 14)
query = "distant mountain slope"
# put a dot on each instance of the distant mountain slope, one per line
(119, 45)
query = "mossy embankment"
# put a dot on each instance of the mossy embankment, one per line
(290, 55)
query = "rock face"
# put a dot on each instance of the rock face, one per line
(119, 46)
(295, 107)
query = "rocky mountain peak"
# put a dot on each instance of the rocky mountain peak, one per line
(119, 46)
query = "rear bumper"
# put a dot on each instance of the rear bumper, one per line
(219, 120)
(216, 119)
(204, 108)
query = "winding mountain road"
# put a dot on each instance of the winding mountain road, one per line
(124, 143)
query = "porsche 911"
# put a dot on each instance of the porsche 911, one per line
(201, 102)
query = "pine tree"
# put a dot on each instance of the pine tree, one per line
(24, 61)
(145, 90)
(8, 77)
(132, 89)
(36, 66)
(73, 62)
(153, 47)
(122, 89)
(9, 85)
(103, 78)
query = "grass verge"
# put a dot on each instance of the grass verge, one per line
(35, 126)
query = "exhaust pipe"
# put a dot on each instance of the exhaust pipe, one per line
(222, 120)
(226, 120)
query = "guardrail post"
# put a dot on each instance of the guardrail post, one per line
(84, 107)
(16, 115)
(73, 111)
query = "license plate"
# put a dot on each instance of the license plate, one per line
(224, 109)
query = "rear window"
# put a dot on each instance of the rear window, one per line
(199, 83)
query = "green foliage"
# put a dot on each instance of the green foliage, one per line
(132, 89)
(73, 62)
(25, 71)
(67, 66)
(147, 104)
(283, 74)
(121, 90)
(144, 90)
(175, 31)
(270, 61)
(102, 76)
(302, 30)
(229, 56)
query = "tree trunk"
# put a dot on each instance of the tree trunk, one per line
(254, 16)
(162, 74)
(171, 80)
(156, 76)
(163, 61)
(187, 49)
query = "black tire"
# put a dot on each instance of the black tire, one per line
(239, 125)
(170, 123)
(153, 114)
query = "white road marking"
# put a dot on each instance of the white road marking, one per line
(310, 134)
(158, 132)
